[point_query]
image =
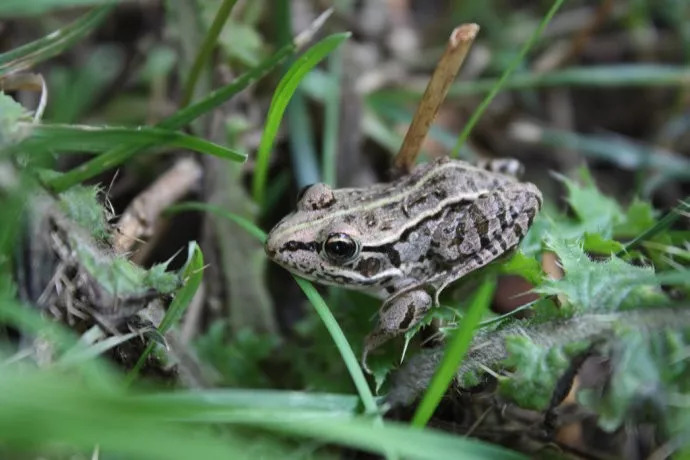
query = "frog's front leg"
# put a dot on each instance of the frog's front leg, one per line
(398, 314)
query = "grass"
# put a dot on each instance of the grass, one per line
(90, 389)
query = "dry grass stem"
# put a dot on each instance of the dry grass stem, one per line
(140, 216)
(459, 43)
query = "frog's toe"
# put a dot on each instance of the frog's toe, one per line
(373, 341)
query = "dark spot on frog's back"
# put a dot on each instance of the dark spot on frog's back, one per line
(409, 317)
(371, 220)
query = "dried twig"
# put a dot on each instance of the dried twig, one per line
(459, 43)
(140, 216)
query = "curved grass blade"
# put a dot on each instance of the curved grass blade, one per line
(341, 343)
(287, 86)
(83, 138)
(52, 44)
(193, 273)
(455, 352)
(476, 115)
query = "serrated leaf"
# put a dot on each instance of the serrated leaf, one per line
(610, 285)
(594, 242)
(596, 212)
(639, 216)
(537, 369)
(523, 265)
(11, 114)
(647, 369)
(81, 204)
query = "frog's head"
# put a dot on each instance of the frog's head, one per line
(320, 242)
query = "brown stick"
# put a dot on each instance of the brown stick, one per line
(459, 43)
(140, 217)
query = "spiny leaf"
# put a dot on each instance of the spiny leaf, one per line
(537, 369)
(11, 113)
(649, 370)
(610, 285)
(81, 204)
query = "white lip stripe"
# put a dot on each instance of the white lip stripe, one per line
(396, 198)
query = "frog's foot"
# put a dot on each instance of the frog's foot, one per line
(397, 315)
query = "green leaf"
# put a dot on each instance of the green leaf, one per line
(639, 216)
(525, 266)
(81, 204)
(536, 370)
(192, 275)
(596, 213)
(12, 116)
(649, 370)
(594, 242)
(287, 86)
(600, 286)
(82, 138)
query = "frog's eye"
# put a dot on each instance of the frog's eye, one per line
(314, 197)
(340, 247)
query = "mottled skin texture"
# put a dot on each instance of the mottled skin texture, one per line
(405, 241)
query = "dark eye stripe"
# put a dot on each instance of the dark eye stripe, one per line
(292, 246)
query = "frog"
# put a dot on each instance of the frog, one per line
(406, 240)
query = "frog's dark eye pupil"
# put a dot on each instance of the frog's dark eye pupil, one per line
(340, 247)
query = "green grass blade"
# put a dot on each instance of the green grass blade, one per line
(81, 353)
(118, 155)
(683, 208)
(600, 76)
(476, 115)
(305, 165)
(213, 399)
(623, 152)
(246, 224)
(82, 138)
(206, 49)
(281, 97)
(341, 343)
(455, 352)
(14, 8)
(193, 274)
(74, 415)
(393, 438)
(52, 44)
